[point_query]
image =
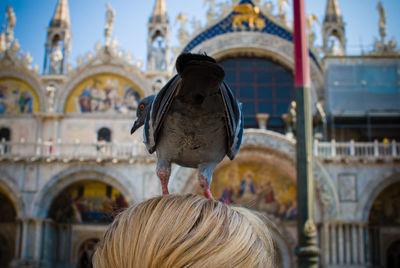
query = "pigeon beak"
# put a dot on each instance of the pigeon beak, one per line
(134, 127)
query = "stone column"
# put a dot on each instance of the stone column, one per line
(262, 120)
(340, 244)
(29, 247)
(333, 243)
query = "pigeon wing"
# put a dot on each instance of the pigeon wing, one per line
(158, 111)
(234, 120)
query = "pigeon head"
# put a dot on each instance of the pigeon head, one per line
(142, 110)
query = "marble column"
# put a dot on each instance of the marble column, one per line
(262, 120)
(29, 246)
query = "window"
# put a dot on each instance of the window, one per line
(263, 86)
(104, 134)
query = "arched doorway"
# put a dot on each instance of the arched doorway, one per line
(7, 229)
(384, 222)
(83, 210)
(393, 255)
(86, 252)
(104, 134)
(5, 135)
(265, 182)
(263, 86)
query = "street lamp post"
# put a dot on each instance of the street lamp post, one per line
(307, 250)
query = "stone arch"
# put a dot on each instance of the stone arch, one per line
(62, 180)
(285, 243)
(13, 192)
(326, 192)
(134, 76)
(261, 45)
(252, 138)
(31, 81)
(372, 190)
(96, 233)
(265, 141)
(157, 83)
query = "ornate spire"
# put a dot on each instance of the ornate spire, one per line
(108, 28)
(61, 15)
(58, 42)
(159, 12)
(332, 13)
(333, 26)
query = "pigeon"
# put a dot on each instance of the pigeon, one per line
(193, 121)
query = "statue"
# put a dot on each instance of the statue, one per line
(3, 46)
(282, 14)
(249, 14)
(292, 117)
(11, 20)
(195, 25)
(382, 21)
(50, 90)
(158, 53)
(182, 33)
(56, 58)
(211, 12)
(224, 9)
(109, 23)
(268, 8)
(310, 22)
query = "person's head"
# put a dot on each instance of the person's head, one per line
(185, 231)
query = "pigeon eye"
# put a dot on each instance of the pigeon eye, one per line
(141, 106)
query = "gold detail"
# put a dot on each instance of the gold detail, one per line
(309, 229)
(249, 14)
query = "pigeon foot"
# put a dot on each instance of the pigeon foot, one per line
(204, 186)
(163, 174)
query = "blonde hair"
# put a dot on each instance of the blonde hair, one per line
(185, 231)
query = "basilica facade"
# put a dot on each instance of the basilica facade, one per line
(68, 163)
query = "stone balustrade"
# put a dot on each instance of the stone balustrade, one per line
(68, 151)
(344, 244)
(333, 150)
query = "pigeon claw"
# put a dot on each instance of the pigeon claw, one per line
(204, 186)
(163, 174)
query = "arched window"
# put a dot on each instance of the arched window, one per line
(7, 230)
(88, 202)
(5, 134)
(263, 86)
(86, 252)
(104, 134)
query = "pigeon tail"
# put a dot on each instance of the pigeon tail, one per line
(185, 58)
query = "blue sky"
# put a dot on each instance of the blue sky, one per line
(88, 19)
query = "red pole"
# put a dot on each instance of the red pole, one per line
(302, 69)
(307, 250)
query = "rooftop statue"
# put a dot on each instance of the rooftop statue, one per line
(182, 33)
(109, 23)
(282, 4)
(310, 23)
(249, 14)
(56, 59)
(11, 20)
(382, 21)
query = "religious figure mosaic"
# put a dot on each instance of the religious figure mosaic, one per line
(258, 186)
(87, 202)
(386, 207)
(104, 93)
(17, 97)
